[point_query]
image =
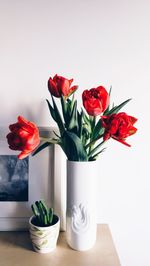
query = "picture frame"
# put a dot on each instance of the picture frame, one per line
(47, 180)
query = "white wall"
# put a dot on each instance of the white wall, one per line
(96, 42)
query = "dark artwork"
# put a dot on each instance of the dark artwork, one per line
(13, 178)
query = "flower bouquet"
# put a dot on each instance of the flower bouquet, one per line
(82, 135)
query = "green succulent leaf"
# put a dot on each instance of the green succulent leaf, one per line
(44, 215)
(51, 212)
(34, 209)
(45, 220)
(40, 210)
(44, 207)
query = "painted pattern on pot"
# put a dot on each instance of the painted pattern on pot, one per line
(44, 239)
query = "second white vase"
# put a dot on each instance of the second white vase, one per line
(81, 204)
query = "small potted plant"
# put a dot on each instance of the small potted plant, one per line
(44, 227)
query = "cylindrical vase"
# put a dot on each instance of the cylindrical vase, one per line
(81, 204)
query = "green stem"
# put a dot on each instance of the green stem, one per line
(92, 121)
(55, 141)
(93, 142)
(96, 148)
(92, 124)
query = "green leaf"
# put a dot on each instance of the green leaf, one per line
(58, 118)
(92, 120)
(56, 134)
(64, 105)
(45, 209)
(52, 112)
(40, 210)
(34, 210)
(98, 130)
(85, 135)
(96, 149)
(50, 140)
(110, 90)
(70, 104)
(86, 119)
(80, 123)
(116, 109)
(73, 147)
(40, 148)
(73, 123)
(94, 157)
(45, 220)
(51, 212)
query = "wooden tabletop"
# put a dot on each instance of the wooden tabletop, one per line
(16, 250)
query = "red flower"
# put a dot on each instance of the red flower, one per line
(24, 137)
(119, 127)
(60, 86)
(95, 100)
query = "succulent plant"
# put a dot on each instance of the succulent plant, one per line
(43, 216)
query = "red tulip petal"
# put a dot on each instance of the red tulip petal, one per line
(70, 82)
(72, 89)
(23, 155)
(133, 119)
(106, 136)
(132, 130)
(121, 141)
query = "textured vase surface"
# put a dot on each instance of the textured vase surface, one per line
(81, 204)
(44, 239)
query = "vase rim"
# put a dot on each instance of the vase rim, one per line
(82, 162)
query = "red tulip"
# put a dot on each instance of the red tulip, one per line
(119, 127)
(59, 86)
(24, 137)
(95, 100)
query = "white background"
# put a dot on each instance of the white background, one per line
(95, 42)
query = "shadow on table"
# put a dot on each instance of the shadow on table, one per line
(19, 239)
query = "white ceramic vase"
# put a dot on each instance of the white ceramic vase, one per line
(44, 239)
(81, 204)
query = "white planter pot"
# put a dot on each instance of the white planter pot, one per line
(81, 204)
(44, 239)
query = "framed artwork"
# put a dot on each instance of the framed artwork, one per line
(24, 181)
(14, 177)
